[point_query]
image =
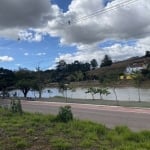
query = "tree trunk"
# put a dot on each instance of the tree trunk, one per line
(139, 94)
(40, 94)
(114, 90)
(101, 97)
(66, 96)
(25, 94)
(93, 97)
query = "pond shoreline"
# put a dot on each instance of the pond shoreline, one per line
(93, 83)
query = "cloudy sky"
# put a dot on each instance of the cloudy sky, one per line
(41, 32)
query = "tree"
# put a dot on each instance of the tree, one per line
(92, 91)
(94, 63)
(138, 78)
(103, 91)
(64, 87)
(61, 71)
(77, 76)
(106, 61)
(24, 85)
(7, 81)
(38, 82)
(61, 65)
(86, 67)
(147, 54)
(24, 80)
(112, 79)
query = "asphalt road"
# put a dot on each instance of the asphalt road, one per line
(136, 119)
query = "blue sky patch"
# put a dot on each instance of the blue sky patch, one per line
(63, 4)
(110, 43)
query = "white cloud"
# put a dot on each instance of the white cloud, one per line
(126, 22)
(90, 21)
(30, 36)
(41, 54)
(85, 24)
(26, 54)
(117, 52)
(18, 65)
(6, 59)
(16, 15)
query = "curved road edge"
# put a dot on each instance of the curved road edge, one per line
(136, 119)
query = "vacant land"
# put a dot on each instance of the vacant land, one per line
(43, 132)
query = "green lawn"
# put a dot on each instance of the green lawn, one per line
(43, 132)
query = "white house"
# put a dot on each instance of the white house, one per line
(136, 67)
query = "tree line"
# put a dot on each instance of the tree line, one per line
(27, 80)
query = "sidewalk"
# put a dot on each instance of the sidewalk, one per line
(98, 102)
(5, 102)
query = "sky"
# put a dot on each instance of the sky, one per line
(39, 33)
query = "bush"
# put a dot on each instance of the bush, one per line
(16, 106)
(65, 114)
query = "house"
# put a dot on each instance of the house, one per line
(131, 69)
(136, 67)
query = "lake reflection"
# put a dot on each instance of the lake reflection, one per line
(127, 94)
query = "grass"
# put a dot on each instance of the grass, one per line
(38, 132)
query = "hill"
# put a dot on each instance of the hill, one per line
(119, 67)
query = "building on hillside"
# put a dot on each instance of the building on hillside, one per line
(136, 67)
(127, 77)
(131, 69)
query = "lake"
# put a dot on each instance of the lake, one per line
(123, 94)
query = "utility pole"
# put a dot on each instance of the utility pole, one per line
(39, 84)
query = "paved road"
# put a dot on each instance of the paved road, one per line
(135, 118)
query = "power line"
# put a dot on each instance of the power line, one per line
(93, 14)
(102, 11)
(70, 22)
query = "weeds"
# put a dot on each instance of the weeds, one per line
(61, 144)
(65, 114)
(42, 132)
(19, 143)
(16, 106)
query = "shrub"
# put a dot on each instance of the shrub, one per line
(16, 106)
(65, 114)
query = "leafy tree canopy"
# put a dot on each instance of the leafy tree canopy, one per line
(106, 61)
